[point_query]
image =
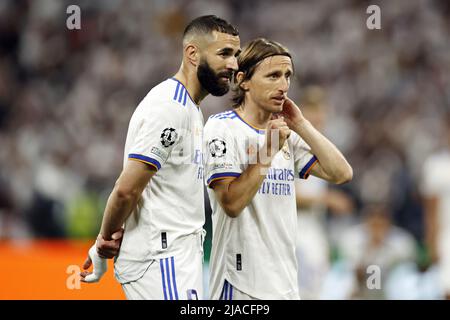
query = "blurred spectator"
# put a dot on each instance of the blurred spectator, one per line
(375, 242)
(436, 192)
(408, 281)
(66, 95)
(314, 199)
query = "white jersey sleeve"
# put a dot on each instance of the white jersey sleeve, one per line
(158, 133)
(221, 160)
(303, 158)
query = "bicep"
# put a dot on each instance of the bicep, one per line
(135, 176)
(221, 187)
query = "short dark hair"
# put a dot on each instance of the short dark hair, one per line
(208, 24)
(251, 56)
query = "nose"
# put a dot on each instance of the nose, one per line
(284, 85)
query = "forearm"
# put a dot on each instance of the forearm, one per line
(241, 190)
(125, 195)
(118, 208)
(236, 194)
(330, 158)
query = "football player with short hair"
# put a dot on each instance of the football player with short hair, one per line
(158, 197)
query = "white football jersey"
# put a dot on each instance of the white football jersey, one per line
(254, 252)
(165, 132)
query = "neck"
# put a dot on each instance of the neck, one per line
(254, 115)
(188, 77)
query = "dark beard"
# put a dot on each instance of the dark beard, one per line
(211, 81)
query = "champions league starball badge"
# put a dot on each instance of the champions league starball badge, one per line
(217, 148)
(168, 137)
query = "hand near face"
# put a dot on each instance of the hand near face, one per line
(291, 114)
(277, 132)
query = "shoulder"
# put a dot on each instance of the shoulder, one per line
(229, 114)
(220, 121)
(169, 92)
(164, 100)
(295, 139)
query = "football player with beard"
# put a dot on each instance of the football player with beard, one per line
(158, 198)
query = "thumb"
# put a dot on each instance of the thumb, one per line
(87, 263)
(117, 235)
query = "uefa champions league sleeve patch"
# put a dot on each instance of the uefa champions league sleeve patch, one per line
(217, 148)
(168, 137)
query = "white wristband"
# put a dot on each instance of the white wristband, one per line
(100, 266)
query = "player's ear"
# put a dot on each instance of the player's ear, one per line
(192, 54)
(242, 82)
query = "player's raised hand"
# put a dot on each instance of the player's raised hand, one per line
(108, 249)
(277, 131)
(99, 267)
(291, 113)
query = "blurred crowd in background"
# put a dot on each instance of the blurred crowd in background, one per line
(382, 96)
